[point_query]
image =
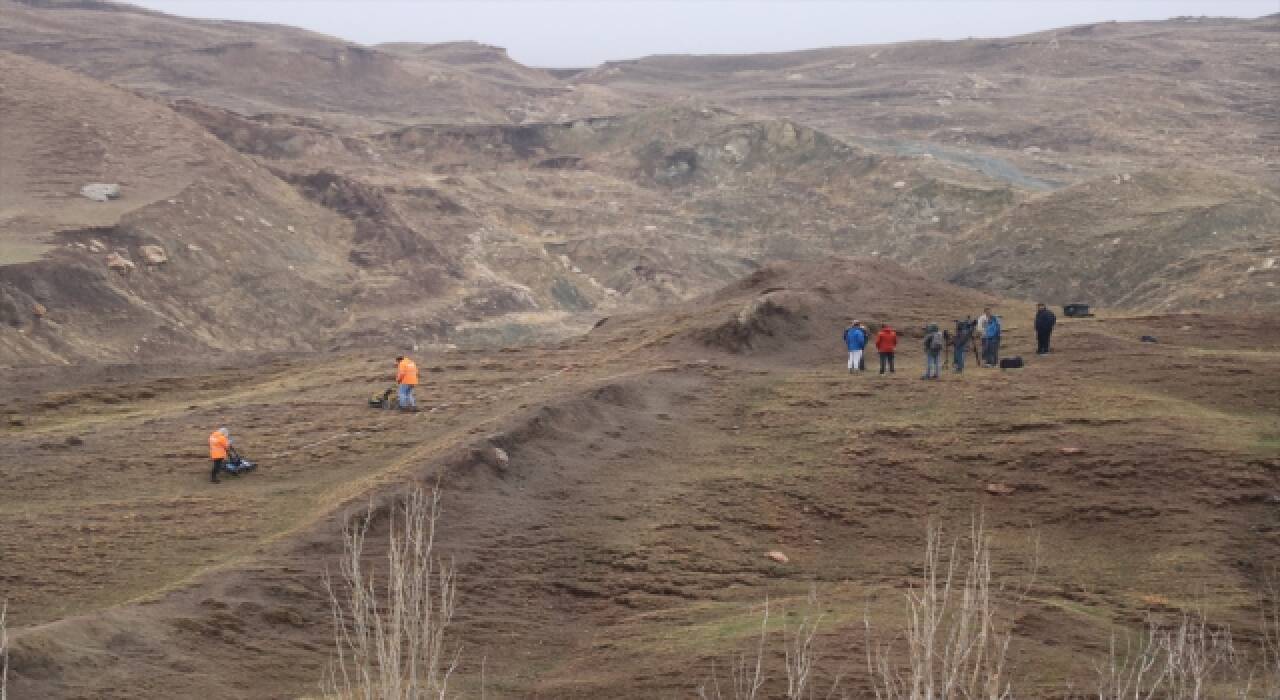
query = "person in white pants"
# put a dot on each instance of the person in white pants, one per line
(855, 339)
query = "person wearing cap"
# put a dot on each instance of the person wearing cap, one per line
(406, 380)
(855, 339)
(219, 441)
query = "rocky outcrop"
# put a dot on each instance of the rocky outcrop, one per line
(119, 263)
(153, 255)
(101, 192)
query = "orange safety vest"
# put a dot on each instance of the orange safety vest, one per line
(218, 445)
(407, 373)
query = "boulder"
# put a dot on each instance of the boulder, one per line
(153, 255)
(999, 489)
(120, 263)
(778, 556)
(100, 191)
(495, 457)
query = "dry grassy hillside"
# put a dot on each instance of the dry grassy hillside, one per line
(620, 550)
(249, 264)
(949, 157)
(1040, 109)
(573, 220)
(1166, 239)
(626, 289)
(255, 68)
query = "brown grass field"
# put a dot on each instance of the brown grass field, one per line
(621, 552)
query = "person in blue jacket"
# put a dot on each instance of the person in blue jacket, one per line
(992, 344)
(855, 339)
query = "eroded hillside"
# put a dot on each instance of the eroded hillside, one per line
(254, 68)
(619, 549)
(205, 250)
(444, 193)
(1054, 107)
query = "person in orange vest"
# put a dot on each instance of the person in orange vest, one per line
(407, 379)
(886, 345)
(219, 441)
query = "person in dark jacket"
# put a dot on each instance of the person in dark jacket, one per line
(1045, 321)
(964, 333)
(934, 345)
(866, 332)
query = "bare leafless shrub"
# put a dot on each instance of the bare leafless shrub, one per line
(1189, 661)
(391, 635)
(746, 676)
(1269, 606)
(4, 650)
(801, 656)
(956, 642)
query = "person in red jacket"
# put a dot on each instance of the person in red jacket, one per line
(886, 344)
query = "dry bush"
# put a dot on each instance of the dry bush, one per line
(4, 651)
(956, 641)
(957, 638)
(1270, 609)
(1177, 663)
(391, 635)
(747, 673)
(800, 655)
(1194, 660)
(746, 676)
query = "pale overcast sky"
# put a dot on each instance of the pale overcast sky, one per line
(577, 33)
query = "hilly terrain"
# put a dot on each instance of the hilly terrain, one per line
(626, 288)
(271, 68)
(76, 281)
(1044, 109)
(481, 200)
(619, 550)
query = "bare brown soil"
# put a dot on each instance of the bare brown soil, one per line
(652, 466)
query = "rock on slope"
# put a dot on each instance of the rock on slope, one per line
(251, 265)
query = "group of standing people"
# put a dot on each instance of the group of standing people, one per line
(984, 334)
(857, 336)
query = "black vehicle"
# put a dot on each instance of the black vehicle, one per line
(1076, 311)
